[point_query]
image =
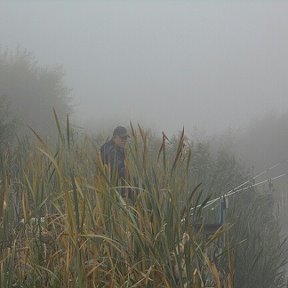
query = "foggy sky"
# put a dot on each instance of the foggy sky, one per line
(161, 63)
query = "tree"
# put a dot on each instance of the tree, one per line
(32, 91)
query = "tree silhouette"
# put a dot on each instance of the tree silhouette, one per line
(33, 91)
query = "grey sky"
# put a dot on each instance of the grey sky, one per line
(165, 64)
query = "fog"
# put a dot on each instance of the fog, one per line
(217, 68)
(164, 64)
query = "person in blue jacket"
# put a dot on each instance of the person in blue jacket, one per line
(113, 154)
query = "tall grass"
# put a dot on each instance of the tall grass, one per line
(78, 231)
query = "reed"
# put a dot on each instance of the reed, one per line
(78, 231)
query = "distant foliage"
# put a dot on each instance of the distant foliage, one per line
(264, 141)
(7, 123)
(32, 91)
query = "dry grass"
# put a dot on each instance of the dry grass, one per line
(91, 236)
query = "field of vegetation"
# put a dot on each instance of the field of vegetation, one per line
(63, 222)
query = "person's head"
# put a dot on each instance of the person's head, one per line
(120, 136)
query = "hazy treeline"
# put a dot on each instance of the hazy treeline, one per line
(264, 141)
(29, 91)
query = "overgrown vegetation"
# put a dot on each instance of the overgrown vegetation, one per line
(78, 232)
(91, 237)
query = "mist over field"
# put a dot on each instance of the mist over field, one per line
(165, 64)
(216, 68)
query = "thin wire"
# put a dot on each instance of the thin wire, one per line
(237, 188)
(245, 188)
(255, 177)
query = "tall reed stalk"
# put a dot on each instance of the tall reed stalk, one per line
(78, 231)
